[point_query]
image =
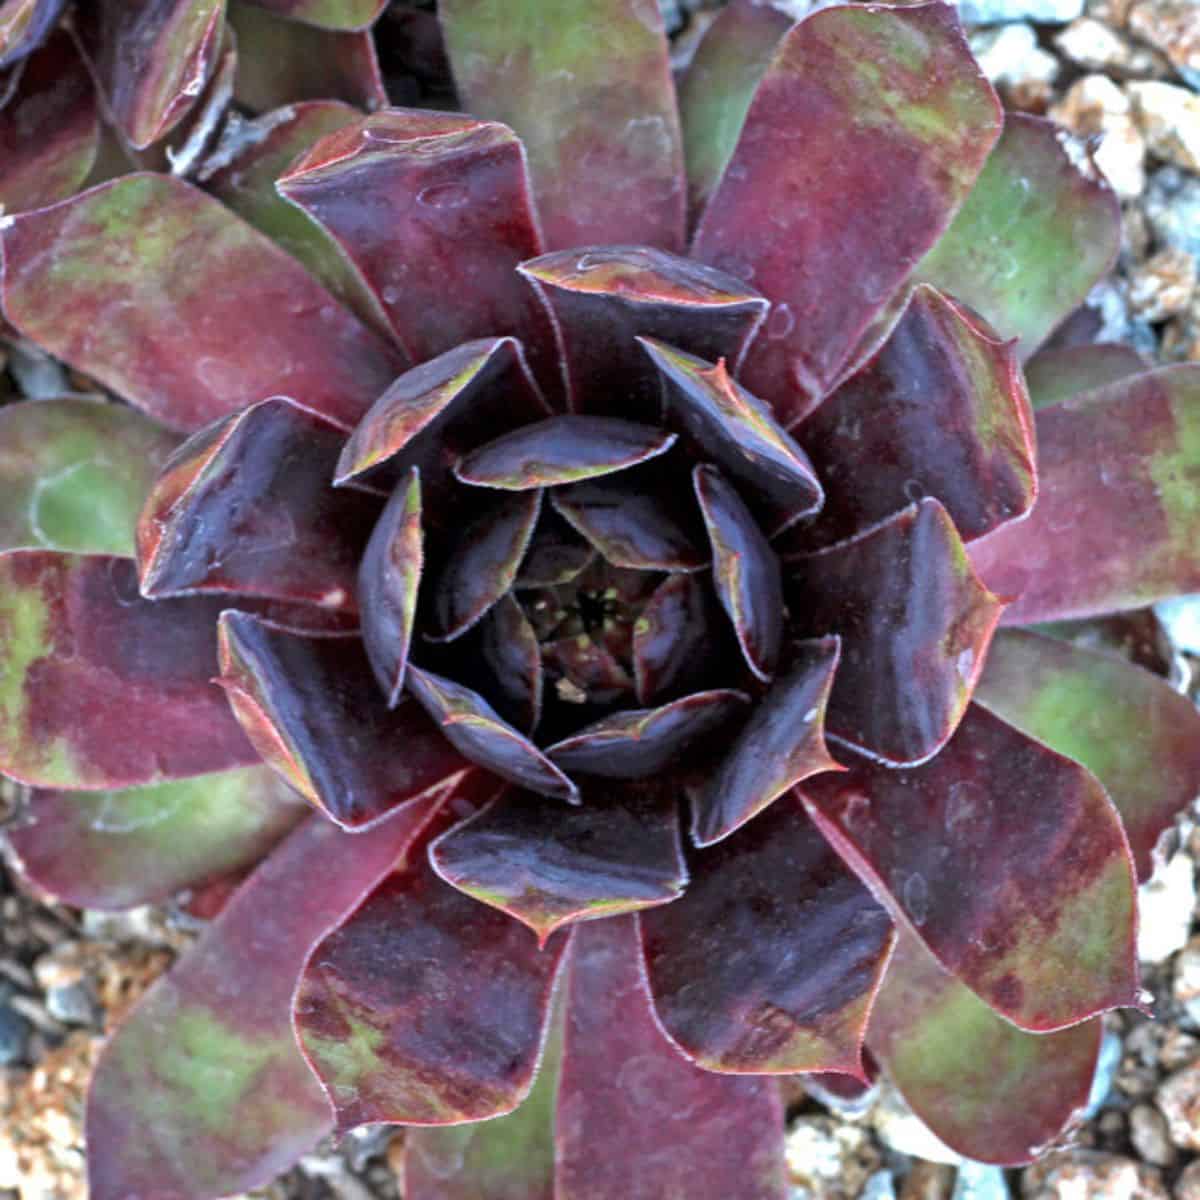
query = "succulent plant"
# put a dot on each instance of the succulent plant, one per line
(547, 598)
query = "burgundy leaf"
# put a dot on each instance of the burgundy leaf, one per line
(1128, 727)
(202, 1091)
(770, 960)
(549, 866)
(100, 688)
(590, 95)
(161, 294)
(739, 432)
(562, 450)
(1116, 524)
(604, 296)
(388, 578)
(635, 1118)
(311, 708)
(745, 571)
(987, 1089)
(482, 563)
(556, 554)
(512, 660)
(327, 14)
(248, 506)
(474, 728)
(1007, 860)
(1054, 375)
(915, 624)
(677, 639)
(433, 209)
(782, 743)
(641, 743)
(940, 411)
(49, 129)
(425, 1007)
(866, 97)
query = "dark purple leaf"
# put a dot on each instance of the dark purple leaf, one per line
(512, 658)
(1054, 375)
(24, 24)
(557, 554)
(677, 639)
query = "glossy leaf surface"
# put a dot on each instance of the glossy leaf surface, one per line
(781, 744)
(866, 96)
(311, 708)
(23, 26)
(433, 209)
(1137, 735)
(676, 639)
(940, 411)
(562, 450)
(158, 292)
(1116, 525)
(745, 571)
(1041, 214)
(513, 659)
(382, 1051)
(248, 507)
(1015, 874)
(475, 728)
(1056, 375)
(587, 87)
(74, 473)
(100, 688)
(987, 1089)
(202, 1091)
(635, 1118)
(328, 14)
(557, 554)
(602, 297)
(388, 579)
(49, 129)
(548, 866)
(642, 743)
(740, 433)
(770, 960)
(915, 624)
(120, 849)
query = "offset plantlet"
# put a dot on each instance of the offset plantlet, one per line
(580, 640)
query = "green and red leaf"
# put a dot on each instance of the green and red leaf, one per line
(1054, 375)
(24, 25)
(327, 14)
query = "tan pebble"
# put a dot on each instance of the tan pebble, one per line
(1187, 1186)
(1172, 26)
(1163, 285)
(1095, 107)
(1168, 117)
(1091, 1175)
(928, 1181)
(1148, 1133)
(1178, 1100)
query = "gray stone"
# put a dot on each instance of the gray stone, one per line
(73, 1004)
(1165, 904)
(14, 1035)
(996, 12)
(980, 1181)
(1172, 206)
(1148, 1132)
(1107, 1064)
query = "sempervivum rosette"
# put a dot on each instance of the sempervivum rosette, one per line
(625, 617)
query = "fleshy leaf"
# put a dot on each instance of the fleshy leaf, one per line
(1040, 228)
(641, 743)
(1137, 735)
(327, 14)
(74, 473)
(509, 650)
(548, 867)
(782, 744)
(770, 960)
(1056, 375)
(481, 565)
(865, 97)
(643, 519)
(388, 578)
(248, 506)
(474, 727)
(49, 129)
(243, 179)
(202, 1091)
(718, 86)
(676, 639)
(161, 294)
(120, 849)
(562, 450)
(635, 1118)
(365, 1020)
(745, 571)
(1117, 522)
(433, 209)
(915, 624)
(284, 61)
(557, 554)
(987, 1089)
(940, 411)
(740, 433)
(1006, 859)
(24, 24)
(152, 59)
(587, 86)
(453, 402)
(101, 689)
(311, 708)
(602, 297)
